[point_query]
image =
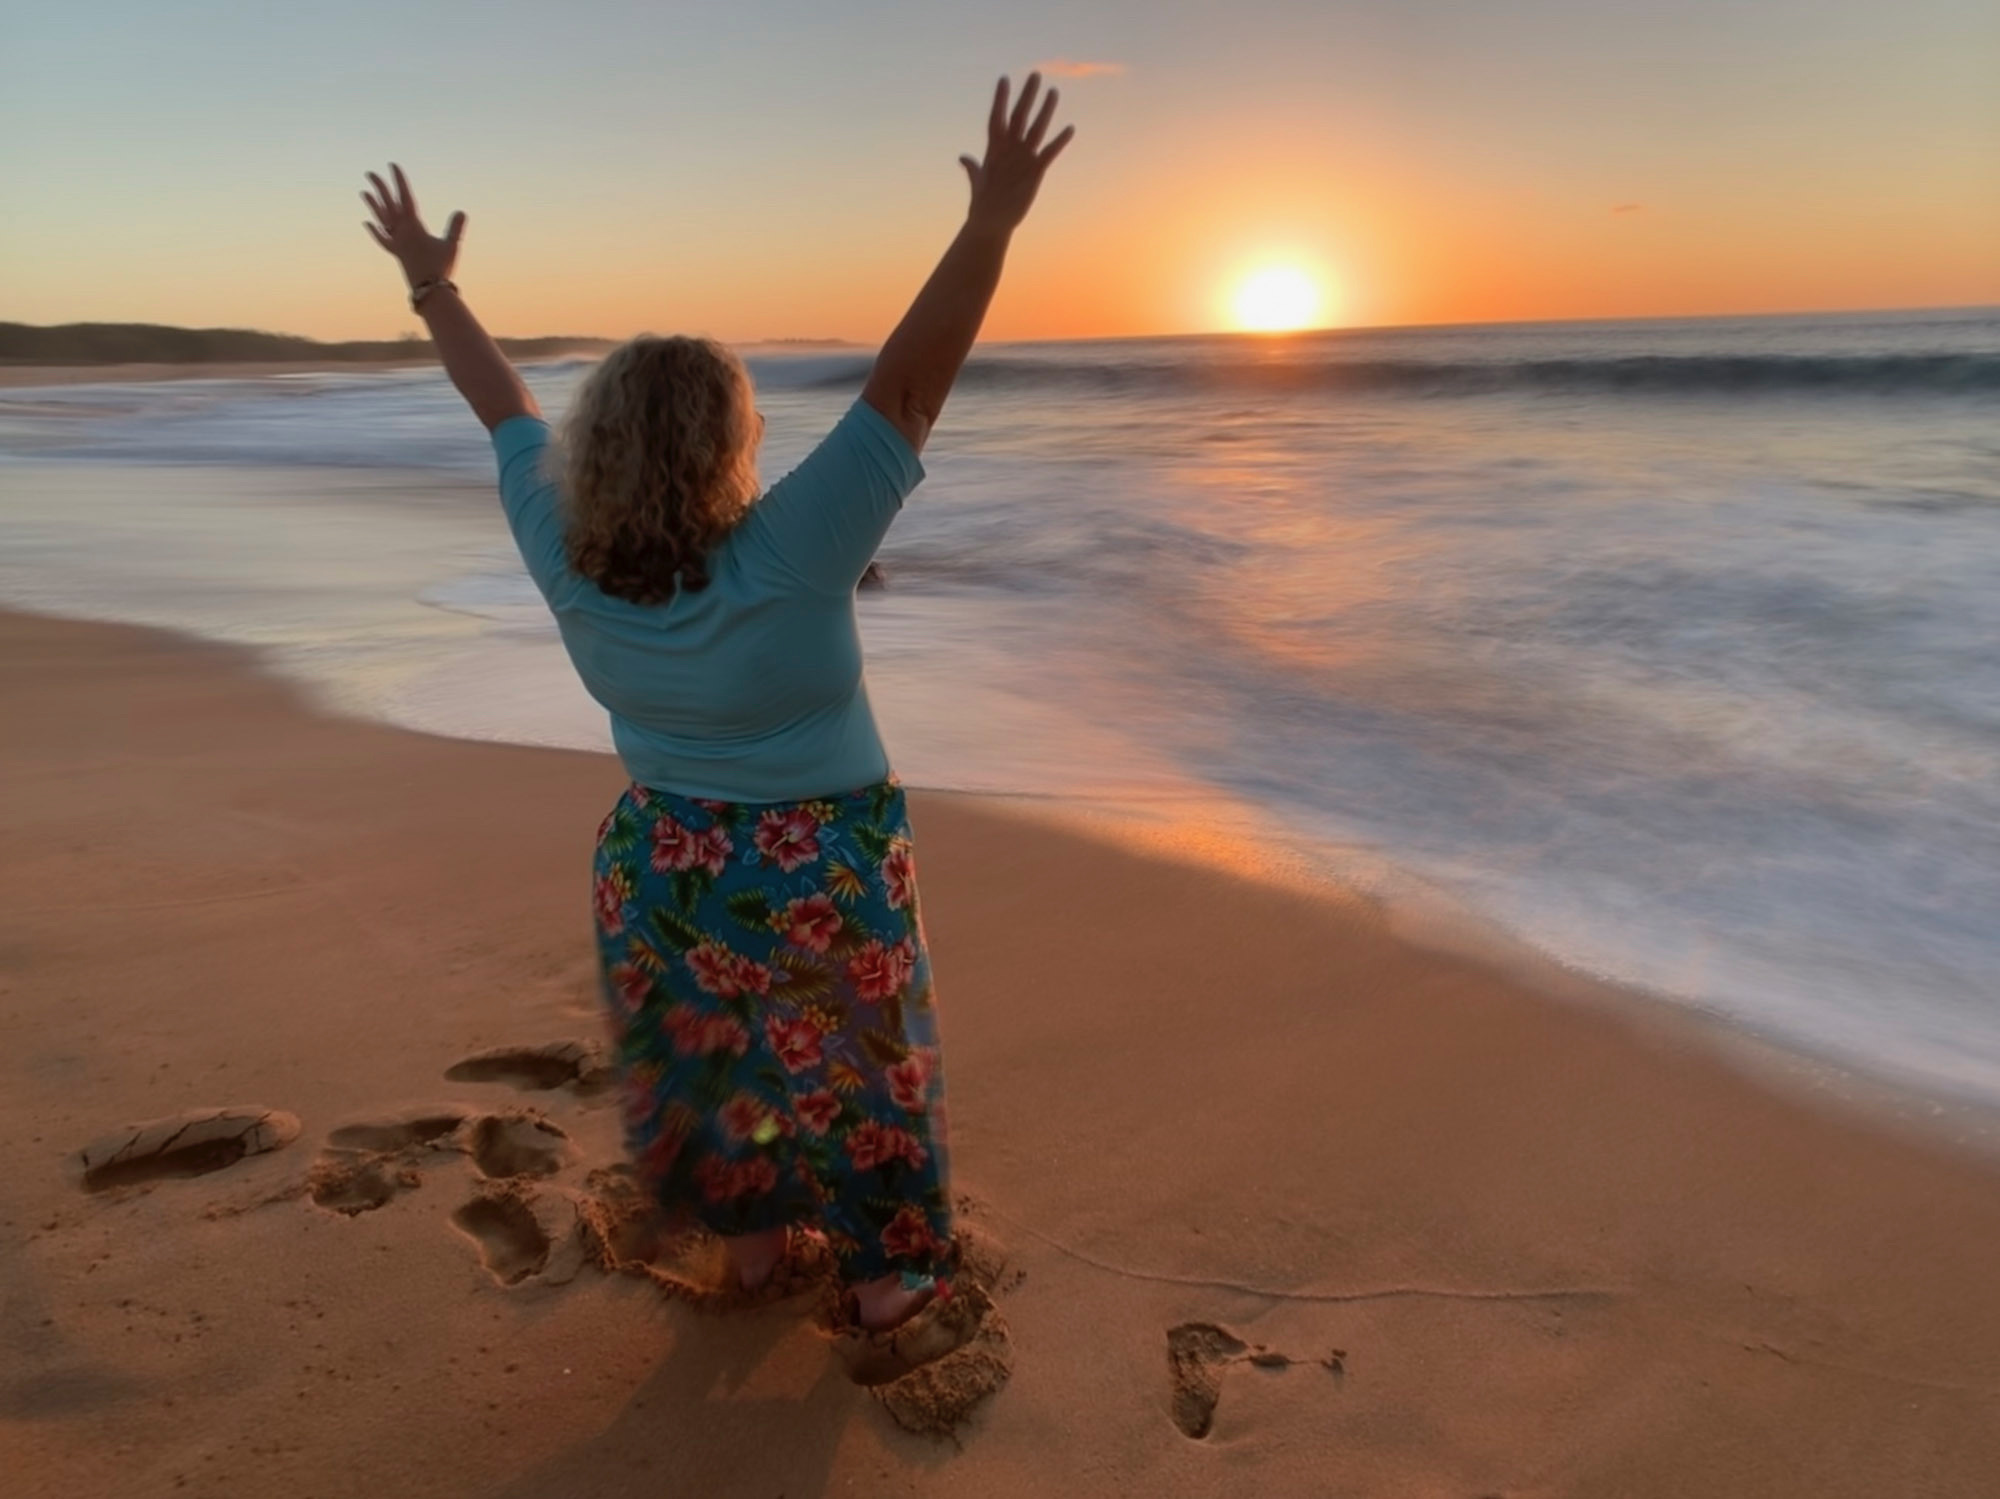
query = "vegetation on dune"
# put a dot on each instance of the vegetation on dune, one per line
(155, 343)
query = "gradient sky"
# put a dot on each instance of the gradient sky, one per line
(788, 168)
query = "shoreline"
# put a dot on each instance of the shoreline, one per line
(1558, 1251)
(1433, 921)
(1416, 912)
(1255, 847)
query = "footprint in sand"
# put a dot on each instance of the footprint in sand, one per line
(365, 1165)
(182, 1145)
(938, 1397)
(546, 1235)
(576, 1065)
(386, 1136)
(1198, 1354)
(963, 1343)
(358, 1186)
(513, 1244)
(610, 1224)
(518, 1144)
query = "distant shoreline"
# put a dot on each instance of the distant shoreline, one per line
(27, 376)
(96, 344)
(86, 353)
(34, 376)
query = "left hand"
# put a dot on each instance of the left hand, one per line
(399, 229)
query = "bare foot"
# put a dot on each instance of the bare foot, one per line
(882, 1304)
(755, 1257)
(930, 1327)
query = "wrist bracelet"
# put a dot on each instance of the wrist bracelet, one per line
(424, 288)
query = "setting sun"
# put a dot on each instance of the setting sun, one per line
(1277, 299)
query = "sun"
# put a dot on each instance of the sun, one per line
(1276, 299)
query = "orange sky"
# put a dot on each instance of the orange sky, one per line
(1433, 162)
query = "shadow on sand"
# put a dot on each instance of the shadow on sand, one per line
(752, 1403)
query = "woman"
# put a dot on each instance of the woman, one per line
(756, 903)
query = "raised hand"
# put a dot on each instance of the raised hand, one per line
(399, 229)
(1005, 183)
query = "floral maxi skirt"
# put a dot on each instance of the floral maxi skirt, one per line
(765, 970)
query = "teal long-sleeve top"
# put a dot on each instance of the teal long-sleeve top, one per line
(751, 689)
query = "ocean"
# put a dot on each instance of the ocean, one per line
(1670, 648)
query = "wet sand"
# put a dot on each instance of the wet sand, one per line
(1286, 1204)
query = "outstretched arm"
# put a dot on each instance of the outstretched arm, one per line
(914, 372)
(476, 366)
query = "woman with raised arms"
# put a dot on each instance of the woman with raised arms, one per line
(756, 902)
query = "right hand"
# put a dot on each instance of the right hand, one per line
(399, 229)
(1005, 183)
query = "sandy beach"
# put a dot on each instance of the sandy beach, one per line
(1412, 1226)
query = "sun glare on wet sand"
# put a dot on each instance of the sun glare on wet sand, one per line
(1277, 299)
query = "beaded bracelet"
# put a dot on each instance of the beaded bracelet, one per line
(424, 288)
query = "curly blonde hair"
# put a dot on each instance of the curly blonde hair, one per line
(660, 459)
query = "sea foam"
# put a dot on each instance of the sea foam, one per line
(1667, 647)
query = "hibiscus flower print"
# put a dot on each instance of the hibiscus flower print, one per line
(685, 1023)
(817, 1110)
(760, 967)
(714, 1176)
(642, 1107)
(788, 837)
(716, 969)
(872, 1144)
(744, 1117)
(631, 984)
(609, 896)
(795, 1041)
(713, 850)
(720, 1179)
(699, 1035)
(723, 1033)
(899, 875)
(750, 977)
(877, 971)
(675, 847)
(909, 1082)
(753, 1178)
(811, 922)
(908, 1235)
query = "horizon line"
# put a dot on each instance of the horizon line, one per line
(421, 340)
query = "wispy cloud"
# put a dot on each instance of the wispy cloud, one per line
(1063, 67)
(1626, 207)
